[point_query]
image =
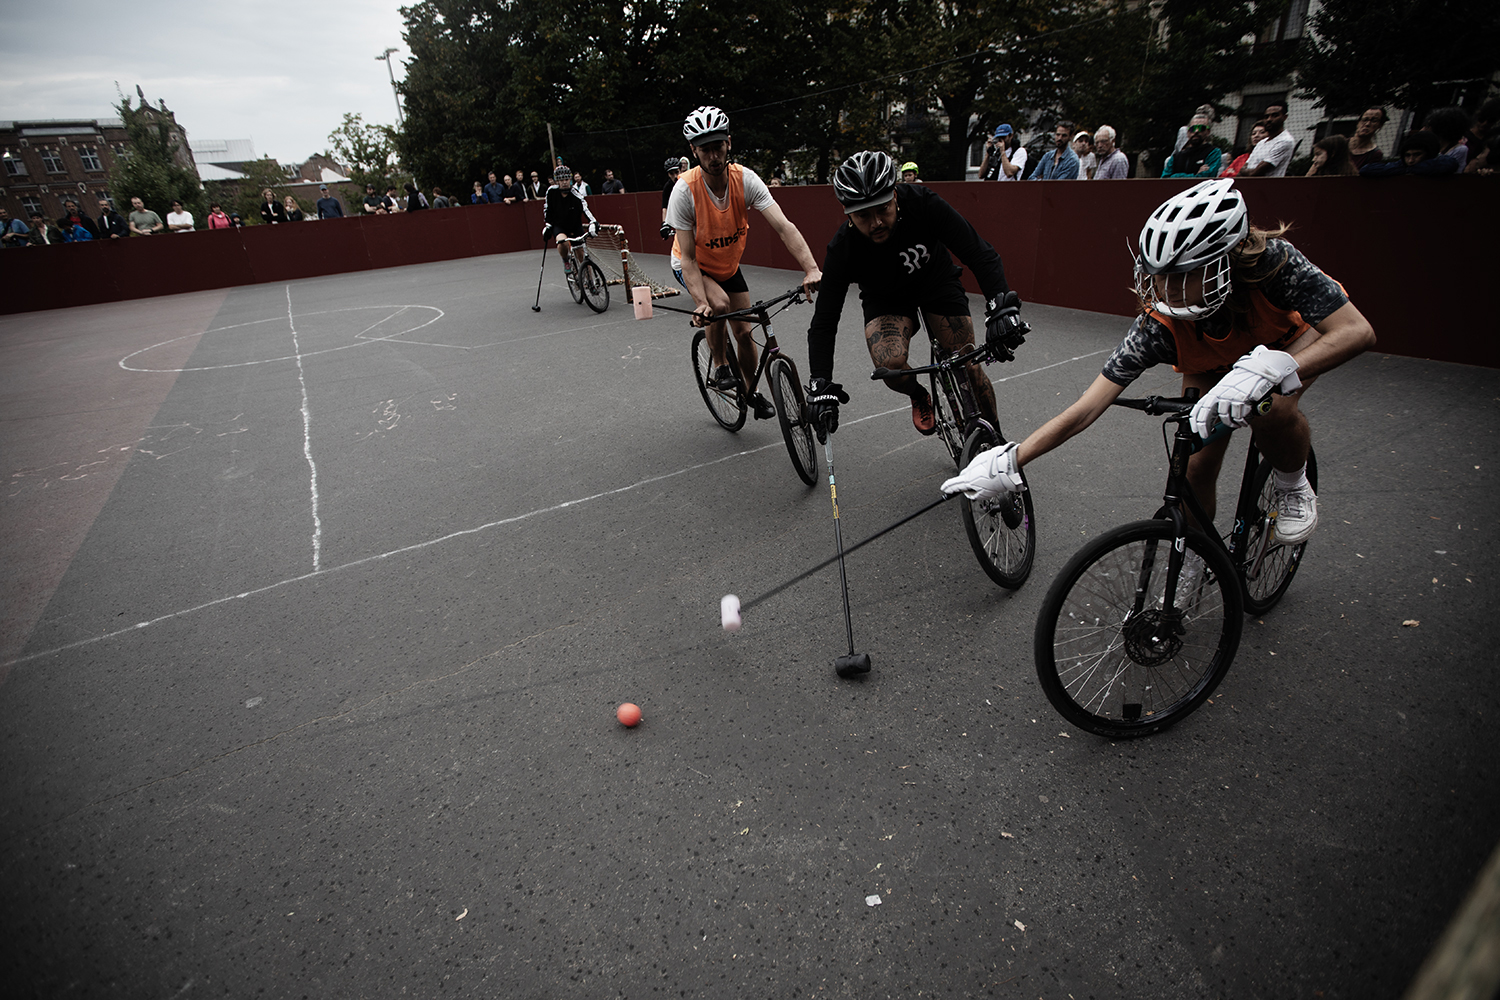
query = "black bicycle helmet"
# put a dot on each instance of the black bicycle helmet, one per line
(673, 165)
(865, 180)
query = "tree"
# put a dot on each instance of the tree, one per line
(368, 150)
(155, 168)
(1395, 52)
(245, 196)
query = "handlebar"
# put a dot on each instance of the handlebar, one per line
(755, 309)
(1161, 405)
(981, 353)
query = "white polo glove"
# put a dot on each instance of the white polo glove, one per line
(1233, 400)
(991, 474)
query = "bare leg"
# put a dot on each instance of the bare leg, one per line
(889, 340)
(956, 335)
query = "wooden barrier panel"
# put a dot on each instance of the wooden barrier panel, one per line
(1412, 252)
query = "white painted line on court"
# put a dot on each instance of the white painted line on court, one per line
(317, 538)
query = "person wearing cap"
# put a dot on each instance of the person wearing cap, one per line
(1083, 145)
(895, 244)
(710, 209)
(909, 173)
(1004, 156)
(328, 206)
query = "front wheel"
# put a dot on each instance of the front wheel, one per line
(1002, 530)
(1266, 569)
(725, 400)
(570, 275)
(594, 288)
(948, 429)
(1114, 654)
(791, 413)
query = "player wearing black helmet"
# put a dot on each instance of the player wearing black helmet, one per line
(673, 166)
(895, 245)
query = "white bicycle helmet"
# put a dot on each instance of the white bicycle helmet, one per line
(1193, 229)
(706, 124)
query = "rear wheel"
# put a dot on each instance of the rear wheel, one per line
(595, 289)
(791, 412)
(727, 404)
(1002, 530)
(1113, 654)
(1266, 568)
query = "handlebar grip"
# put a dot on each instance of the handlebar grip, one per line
(883, 373)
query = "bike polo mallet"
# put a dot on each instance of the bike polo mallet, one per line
(853, 664)
(538, 307)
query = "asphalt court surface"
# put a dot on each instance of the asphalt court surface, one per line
(320, 596)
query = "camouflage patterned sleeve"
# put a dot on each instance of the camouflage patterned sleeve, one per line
(1298, 284)
(1147, 343)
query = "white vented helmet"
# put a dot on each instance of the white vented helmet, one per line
(1195, 228)
(706, 124)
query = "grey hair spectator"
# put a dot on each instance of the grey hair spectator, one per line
(1113, 164)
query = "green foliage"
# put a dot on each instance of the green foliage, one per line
(369, 151)
(245, 196)
(151, 171)
(1389, 52)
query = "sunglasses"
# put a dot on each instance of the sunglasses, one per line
(1197, 128)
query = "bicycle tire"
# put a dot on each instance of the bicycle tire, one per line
(571, 277)
(791, 413)
(1109, 670)
(728, 407)
(1002, 531)
(948, 429)
(1265, 584)
(595, 288)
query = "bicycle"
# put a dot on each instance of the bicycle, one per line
(728, 399)
(1001, 531)
(585, 280)
(1126, 649)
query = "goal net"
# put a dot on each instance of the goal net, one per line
(611, 251)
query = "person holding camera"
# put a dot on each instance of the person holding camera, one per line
(1004, 156)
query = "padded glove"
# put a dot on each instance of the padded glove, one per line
(667, 231)
(1233, 401)
(991, 474)
(823, 399)
(547, 231)
(1004, 330)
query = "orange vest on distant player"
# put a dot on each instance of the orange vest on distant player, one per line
(719, 232)
(1262, 323)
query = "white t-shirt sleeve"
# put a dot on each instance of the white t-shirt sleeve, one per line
(757, 194)
(1277, 151)
(1017, 160)
(680, 212)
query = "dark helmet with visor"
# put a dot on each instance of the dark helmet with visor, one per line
(865, 180)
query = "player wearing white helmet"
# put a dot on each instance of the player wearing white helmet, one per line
(709, 210)
(1239, 312)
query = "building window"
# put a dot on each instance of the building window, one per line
(52, 160)
(14, 166)
(90, 157)
(30, 203)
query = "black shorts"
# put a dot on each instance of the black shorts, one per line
(947, 299)
(732, 284)
(575, 232)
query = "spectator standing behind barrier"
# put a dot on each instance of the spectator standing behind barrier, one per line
(13, 232)
(1449, 125)
(1004, 156)
(216, 217)
(535, 189)
(1207, 111)
(1419, 156)
(328, 206)
(1485, 121)
(1270, 158)
(293, 209)
(580, 185)
(478, 196)
(612, 186)
(1331, 158)
(272, 212)
(143, 221)
(372, 199)
(415, 199)
(1083, 148)
(391, 203)
(179, 220)
(520, 182)
(516, 192)
(1062, 163)
(1483, 162)
(440, 200)
(494, 191)
(111, 226)
(1113, 165)
(1197, 158)
(43, 233)
(73, 217)
(1257, 136)
(1362, 148)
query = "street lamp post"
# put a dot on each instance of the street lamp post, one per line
(385, 57)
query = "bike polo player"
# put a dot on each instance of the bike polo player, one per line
(709, 210)
(564, 212)
(1239, 312)
(895, 245)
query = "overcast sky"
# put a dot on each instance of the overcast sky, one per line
(279, 73)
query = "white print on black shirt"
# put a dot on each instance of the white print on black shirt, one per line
(915, 257)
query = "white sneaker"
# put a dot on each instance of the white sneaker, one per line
(1296, 514)
(1190, 582)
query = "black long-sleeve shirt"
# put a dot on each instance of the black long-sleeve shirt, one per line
(911, 263)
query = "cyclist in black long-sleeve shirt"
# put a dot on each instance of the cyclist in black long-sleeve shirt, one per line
(895, 246)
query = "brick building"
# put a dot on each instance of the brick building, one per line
(49, 161)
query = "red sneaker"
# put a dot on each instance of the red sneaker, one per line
(922, 417)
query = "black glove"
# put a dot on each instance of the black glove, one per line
(667, 231)
(1004, 330)
(547, 231)
(823, 399)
